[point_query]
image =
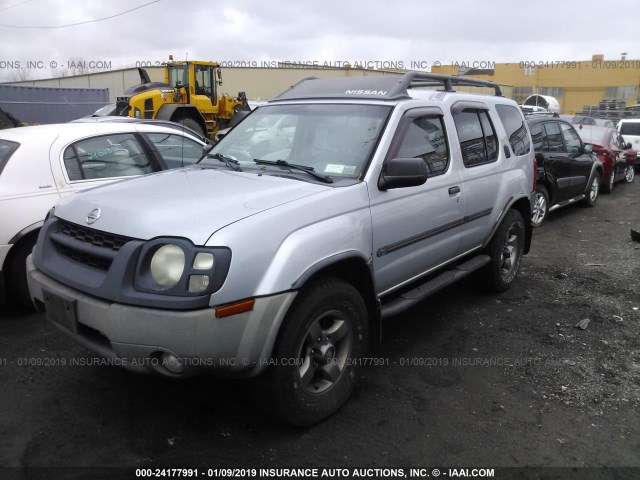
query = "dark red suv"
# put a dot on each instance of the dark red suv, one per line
(616, 155)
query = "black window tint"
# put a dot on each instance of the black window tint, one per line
(552, 138)
(6, 150)
(118, 155)
(478, 139)
(426, 139)
(490, 137)
(537, 137)
(630, 128)
(176, 150)
(516, 130)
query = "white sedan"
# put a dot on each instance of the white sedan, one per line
(40, 164)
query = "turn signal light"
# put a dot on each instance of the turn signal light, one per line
(235, 308)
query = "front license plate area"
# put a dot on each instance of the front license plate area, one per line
(62, 310)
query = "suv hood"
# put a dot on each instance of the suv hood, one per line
(191, 203)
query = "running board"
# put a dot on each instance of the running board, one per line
(446, 278)
(566, 202)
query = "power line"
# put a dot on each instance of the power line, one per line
(15, 5)
(82, 23)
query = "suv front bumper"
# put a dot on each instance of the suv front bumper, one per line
(148, 340)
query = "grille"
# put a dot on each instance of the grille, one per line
(89, 260)
(108, 244)
(92, 237)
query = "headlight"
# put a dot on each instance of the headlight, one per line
(167, 265)
(174, 266)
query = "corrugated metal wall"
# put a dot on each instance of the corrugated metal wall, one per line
(39, 105)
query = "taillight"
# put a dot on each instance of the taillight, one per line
(535, 174)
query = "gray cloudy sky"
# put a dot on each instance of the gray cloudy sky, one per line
(423, 31)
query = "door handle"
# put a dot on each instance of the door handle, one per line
(454, 190)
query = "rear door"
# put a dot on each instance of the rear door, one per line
(556, 160)
(482, 171)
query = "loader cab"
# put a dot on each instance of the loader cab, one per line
(198, 80)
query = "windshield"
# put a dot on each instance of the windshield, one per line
(334, 140)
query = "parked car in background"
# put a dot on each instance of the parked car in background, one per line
(616, 155)
(630, 130)
(568, 172)
(587, 120)
(40, 164)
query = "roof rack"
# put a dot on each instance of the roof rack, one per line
(380, 87)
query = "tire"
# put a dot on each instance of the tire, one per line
(505, 249)
(326, 333)
(193, 125)
(592, 192)
(611, 180)
(541, 208)
(629, 174)
(16, 273)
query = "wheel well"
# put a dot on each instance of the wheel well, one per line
(356, 272)
(29, 237)
(190, 113)
(524, 207)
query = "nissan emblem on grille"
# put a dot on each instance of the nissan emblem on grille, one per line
(93, 216)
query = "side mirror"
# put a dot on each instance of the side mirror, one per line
(403, 172)
(587, 148)
(575, 151)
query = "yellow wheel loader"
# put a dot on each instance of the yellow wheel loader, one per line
(188, 96)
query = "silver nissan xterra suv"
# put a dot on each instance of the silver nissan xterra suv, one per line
(341, 202)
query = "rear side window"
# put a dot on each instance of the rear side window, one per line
(516, 130)
(477, 136)
(118, 155)
(6, 150)
(426, 139)
(176, 150)
(630, 128)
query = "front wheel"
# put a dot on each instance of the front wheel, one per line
(316, 357)
(629, 174)
(505, 249)
(193, 125)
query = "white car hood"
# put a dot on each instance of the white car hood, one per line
(191, 203)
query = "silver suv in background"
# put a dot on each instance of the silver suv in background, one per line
(338, 204)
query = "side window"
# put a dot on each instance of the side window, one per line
(176, 150)
(426, 139)
(571, 138)
(118, 155)
(537, 137)
(478, 139)
(552, 138)
(516, 130)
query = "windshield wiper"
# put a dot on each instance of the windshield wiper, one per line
(230, 162)
(293, 166)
